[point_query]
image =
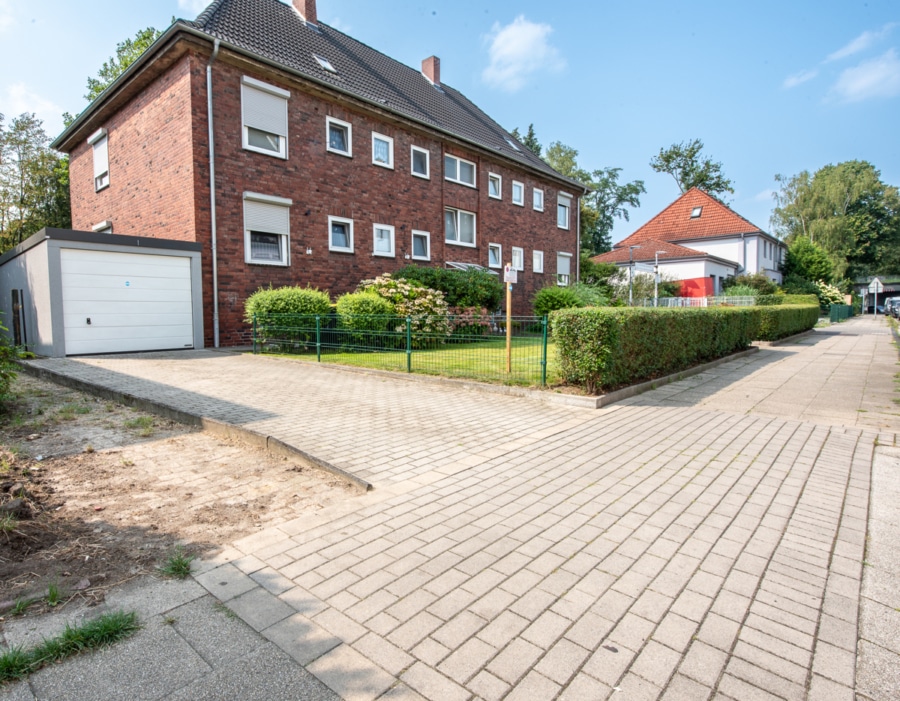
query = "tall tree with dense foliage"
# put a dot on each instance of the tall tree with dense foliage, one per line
(127, 52)
(807, 260)
(34, 182)
(690, 169)
(846, 210)
(606, 201)
(530, 140)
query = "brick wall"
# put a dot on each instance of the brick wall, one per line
(159, 187)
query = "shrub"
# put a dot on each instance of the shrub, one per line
(794, 284)
(772, 300)
(828, 295)
(426, 307)
(7, 367)
(742, 291)
(786, 320)
(589, 295)
(367, 316)
(461, 288)
(283, 314)
(758, 281)
(549, 299)
(469, 321)
(603, 348)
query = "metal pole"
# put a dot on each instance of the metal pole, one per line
(509, 327)
(408, 344)
(318, 338)
(254, 335)
(544, 352)
(656, 282)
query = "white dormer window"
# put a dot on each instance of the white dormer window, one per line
(264, 110)
(696, 212)
(99, 140)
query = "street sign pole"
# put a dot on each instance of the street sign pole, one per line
(510, 276)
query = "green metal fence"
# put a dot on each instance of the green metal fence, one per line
(468, 346)
(840, 312)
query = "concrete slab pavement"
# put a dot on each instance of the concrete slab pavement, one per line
(705, 540)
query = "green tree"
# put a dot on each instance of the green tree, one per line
(34, 182)
(689, 169)
(807, 260)
(606, 201)
(530, 140)
(127, 52)
(846, 210)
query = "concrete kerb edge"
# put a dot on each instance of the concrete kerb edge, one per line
(634, 390)
(785, 340)
(213, 426)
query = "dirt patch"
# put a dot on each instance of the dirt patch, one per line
(93, 493)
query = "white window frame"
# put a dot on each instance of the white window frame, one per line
(457, 242)
(493, 177)
(412, 151)
(390, 143)
(456, 180)
(258, 85)
(284, 237)
(340, 220)
(537, 262)
(329, 121)
(537, 193)
(495, 247)
(564, 200)
(99, 142)
(427, 235)
(520, 202)
(520, 263)
(559, 277)
(375, 252)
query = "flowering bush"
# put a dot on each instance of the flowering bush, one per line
(426, 308)
(828, 295)
(469, 321)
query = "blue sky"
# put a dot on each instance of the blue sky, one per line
(770, 87)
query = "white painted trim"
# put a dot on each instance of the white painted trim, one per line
(101, 227)
(390, 143)
(265, 87)
(427, 174)
(348, 126)
(534, 192)
(499, 178)
(521, 201)
(521, 265)
(341, 220)
(97, 135)
(387, 227)
(270, 199)
(427, 235)
(474, 183)
(499, 255)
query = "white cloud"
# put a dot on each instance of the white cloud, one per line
(879, 77)
(764, 196)
(195, 6)
(792, 81)
(519, 50)
(20, 98)
(6, 15)
(861, 43)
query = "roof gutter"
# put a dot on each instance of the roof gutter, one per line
(179, 27)
(212, 193)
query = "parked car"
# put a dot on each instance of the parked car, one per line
(871, 309)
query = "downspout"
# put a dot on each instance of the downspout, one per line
(212, 193)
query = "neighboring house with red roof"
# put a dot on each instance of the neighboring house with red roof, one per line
(699, 240)
(297, 155)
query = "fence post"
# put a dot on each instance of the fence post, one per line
(254, 334)
(543, 351)
(408, 344)
(318, 338)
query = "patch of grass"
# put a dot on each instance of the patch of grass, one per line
(127, 463)
(21, 606)
(54, 594)
(67, 412)
(88, 448)
(17, 662)
(223, 609)
(170, 620)
(142, 424)
(177, 565)
(8, 523)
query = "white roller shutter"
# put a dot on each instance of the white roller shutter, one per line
(264, 110)
(266, 217)
(119, 302)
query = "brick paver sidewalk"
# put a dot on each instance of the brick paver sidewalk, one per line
(677, 546)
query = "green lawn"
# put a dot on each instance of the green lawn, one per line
(483, 360)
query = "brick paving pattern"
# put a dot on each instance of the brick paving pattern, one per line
(700, 541)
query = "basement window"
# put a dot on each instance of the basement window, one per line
(696, 212)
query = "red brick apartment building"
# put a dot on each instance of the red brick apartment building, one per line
(295, 154)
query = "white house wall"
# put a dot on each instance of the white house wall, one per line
(30, 272)
(728, 249)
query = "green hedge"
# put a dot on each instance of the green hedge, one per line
(786, 320)
(278, 314)
(461, 288)
(770, 300)
(607, 347)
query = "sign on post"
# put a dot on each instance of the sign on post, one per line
(876, 286)
(510, 277)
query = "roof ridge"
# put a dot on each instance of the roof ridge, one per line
(207, 13)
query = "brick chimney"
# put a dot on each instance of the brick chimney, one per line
(307, 10)
(431, 69)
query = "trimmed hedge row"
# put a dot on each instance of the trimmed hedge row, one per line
(601, 348)
(786, 320)
(770, 300)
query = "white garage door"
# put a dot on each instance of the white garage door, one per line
(118, 302)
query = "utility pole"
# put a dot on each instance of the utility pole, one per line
(631, 274)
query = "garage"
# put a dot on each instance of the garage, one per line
(82, 293)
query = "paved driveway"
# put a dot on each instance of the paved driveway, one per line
(703, 540)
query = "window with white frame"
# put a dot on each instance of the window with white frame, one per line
(99, 141)
(495, 255)
(518, 258)
(421, 245)
(460, 171)
(495, 186)
(420, 162)
(340, 235)
(563, 269)
(382, 150)
(537, 261)
(459, 227)
(267, 228)
(563, 210)
(383, 240)
(264, 110)
(518, 193)
(538, 200)
(339, 135)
